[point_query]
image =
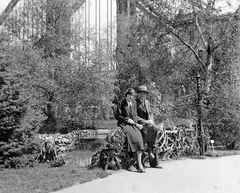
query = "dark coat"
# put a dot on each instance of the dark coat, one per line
(134, 136)
(149, 131)
(143, 111)
(124, 113)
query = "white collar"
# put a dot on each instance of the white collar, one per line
(129, 103)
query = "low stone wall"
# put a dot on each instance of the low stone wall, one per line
(63, 142)
(71, 141)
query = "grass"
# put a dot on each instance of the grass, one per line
(222, 153)
(44, 179)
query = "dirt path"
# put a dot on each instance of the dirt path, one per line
(210, 175)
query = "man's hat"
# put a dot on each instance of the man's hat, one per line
(142, 88)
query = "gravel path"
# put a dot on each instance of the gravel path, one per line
(210, 175)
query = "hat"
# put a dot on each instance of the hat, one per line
(130, 91)
(142, 88)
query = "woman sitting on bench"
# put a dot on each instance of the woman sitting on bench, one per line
(127, 119)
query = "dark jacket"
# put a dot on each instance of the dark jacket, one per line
(124, 113)
(143, 111)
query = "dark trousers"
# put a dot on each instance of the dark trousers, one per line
(149, 134)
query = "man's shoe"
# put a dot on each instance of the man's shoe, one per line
(157, 166)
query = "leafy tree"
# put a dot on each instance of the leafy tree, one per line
(223, 108)
(172, 41)
(223, 118)
(197, 31)
(65, 84)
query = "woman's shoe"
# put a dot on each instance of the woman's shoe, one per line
(141, 170)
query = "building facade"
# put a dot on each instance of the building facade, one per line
(84, 29)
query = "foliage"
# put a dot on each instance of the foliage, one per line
(70, 124)
(58, 162)
(112, 154)
(222, 105)
(169, 44)
(223, 118)
(21, 162)
(62, 80)
(51, 152)
(20, 116)
(44, 86)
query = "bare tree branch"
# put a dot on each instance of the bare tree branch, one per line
(188, 46)
(154, 15)
(200, 32)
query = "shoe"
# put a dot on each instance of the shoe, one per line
(157, 166)
(141, 170)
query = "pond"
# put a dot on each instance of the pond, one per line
(89, 144)
(91, 140)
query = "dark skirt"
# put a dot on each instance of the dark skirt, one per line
(134, 138)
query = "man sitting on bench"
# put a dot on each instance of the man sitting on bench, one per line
(150, 130)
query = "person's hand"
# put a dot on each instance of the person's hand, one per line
(150, 122)
(140, 127)
(130, 121)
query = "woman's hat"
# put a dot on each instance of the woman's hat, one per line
(130, 91)
(142, 88)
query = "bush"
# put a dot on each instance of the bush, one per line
(223, 118)
(113, 153)
(71, 124)
(19, 151)
(20, 162)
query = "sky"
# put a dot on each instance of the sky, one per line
(103, 6)
(4, 3)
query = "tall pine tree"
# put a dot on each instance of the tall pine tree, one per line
(19, 117)
(11, 107)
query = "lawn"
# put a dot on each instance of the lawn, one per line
(43, 179)
(222, 153)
